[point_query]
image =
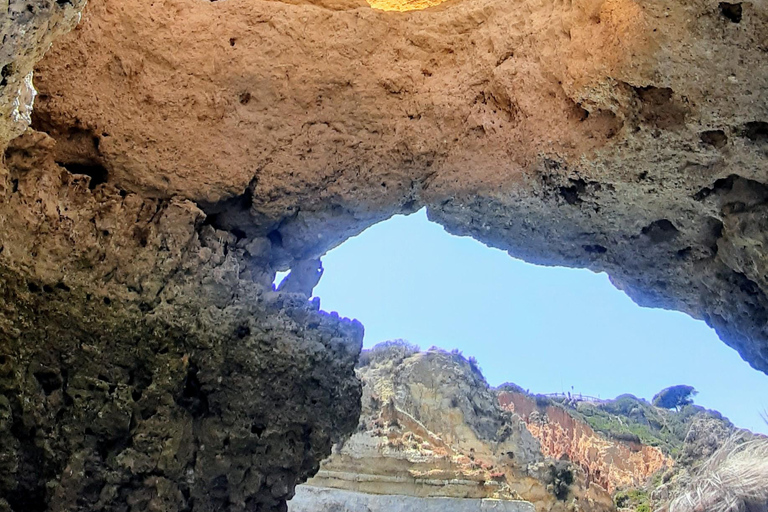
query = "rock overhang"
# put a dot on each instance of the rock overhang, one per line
(611, 135)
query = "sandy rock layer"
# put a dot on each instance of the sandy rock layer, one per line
(184, 150)
(314, 499)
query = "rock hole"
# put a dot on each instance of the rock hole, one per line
(275, 237)
(63, 287)
(232, 41)
(715, 138)
(721, 185)
(97, 173)
(747, 286)
(5, 72)
(14, 185)
(733, 12)
(572, 194)
(106, 448)
(756, 131)
(47, 288)
(657, 107)
(244, 98)
(32, 287)
(258, 429)
(107, 301)
(660, 231)
(242, 331)
(49, 380)
(193, 398)
(239, 233)
(595, 249)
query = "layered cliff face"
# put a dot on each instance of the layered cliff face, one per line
(431, 427)
(314, 499)
(645, 455)
(184, 150)
(613, 464)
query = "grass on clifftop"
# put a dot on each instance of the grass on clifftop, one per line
(628, 418)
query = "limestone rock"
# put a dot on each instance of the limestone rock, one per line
(143, 364)
(27, 29)
(313, 499)
(617, 135)
(185, 150)
(431, 428)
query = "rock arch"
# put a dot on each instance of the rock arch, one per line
(236, 138)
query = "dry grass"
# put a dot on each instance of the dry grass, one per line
(734, 479)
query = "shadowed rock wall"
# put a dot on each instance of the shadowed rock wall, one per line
(145, 363)
(200, 146)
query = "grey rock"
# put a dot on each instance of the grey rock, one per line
(317, 499)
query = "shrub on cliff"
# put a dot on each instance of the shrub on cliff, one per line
(674, 397)
(512, 388)
(392, 350)
(634, 499)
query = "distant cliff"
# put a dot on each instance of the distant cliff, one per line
(611, 463)
(431, 427)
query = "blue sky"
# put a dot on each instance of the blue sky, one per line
(548, 329)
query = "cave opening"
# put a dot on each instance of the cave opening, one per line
(548, 329)
(403, 5)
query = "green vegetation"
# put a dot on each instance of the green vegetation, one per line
(394, 350)
(674, 397)
(634, 499)
(560, 478)
(512, 388)
(630, 419)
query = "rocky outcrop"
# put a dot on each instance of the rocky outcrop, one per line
(146, 363)
(616, 135)
(27, 27)
(185, 150)
(313, 499)
(431, 427)
(611, 463)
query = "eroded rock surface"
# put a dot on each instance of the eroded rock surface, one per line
(613, 464)
(200, 146)
(431, 427)
(615, 135)
(145, 363)
(27, 27)
(313, 499)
